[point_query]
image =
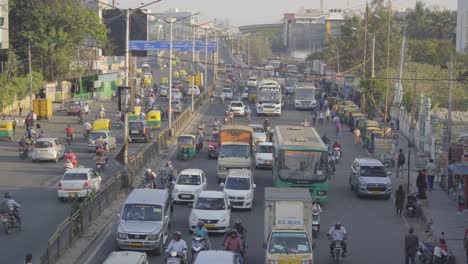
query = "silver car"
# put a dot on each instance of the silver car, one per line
(106, 135)
(370, 178)
(48, 149)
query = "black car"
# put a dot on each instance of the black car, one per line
(139, 130)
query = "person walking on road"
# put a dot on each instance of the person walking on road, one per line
(431, 169)
(314, 117)
(357, 136)
(411, 246)
(399, 200)
(20, 108)
(28, 259)
(421, 183)
(401, 162)
(321, 115)
(327, 114)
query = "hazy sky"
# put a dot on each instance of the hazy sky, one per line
(245, 12)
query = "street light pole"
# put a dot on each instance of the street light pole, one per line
(30, 78)
(206, 61)
(170, 73)
(193, 64)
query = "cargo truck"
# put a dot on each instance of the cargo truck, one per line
(235, 149)
(288, 226)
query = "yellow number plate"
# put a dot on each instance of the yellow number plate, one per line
(375, 192)
(209, 225)
(135, 245)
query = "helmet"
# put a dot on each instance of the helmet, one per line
(338, 224)
(7, 195)
(177, 234)
(237, 221)
(148, 170)
(201, 223)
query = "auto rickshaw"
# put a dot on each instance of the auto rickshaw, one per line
(7, 129)
(352, 118)
(133, 117)
(343, 108)
(358, 122)
(186, 147)
(136, 109)
(366, 136)
(154, 118)
(346, 111)
(165, 81)
(175, 75)
(183, 74)
(368, 123)
(227, 83)
(102, 124)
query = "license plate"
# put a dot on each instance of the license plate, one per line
(375, 191)
(268, 163)
(43, 151)
(135, 245)
(185, 196)
(135, 131)
(72, 194)
(315, 228)
(209, 225)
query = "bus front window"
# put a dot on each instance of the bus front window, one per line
(303, 166)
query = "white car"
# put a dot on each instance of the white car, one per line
(193, 89)
(245, 94)
(163, 91)
(176, 106)
(78, 183)
(237, 107)
(264, 155)
(227, 92)
(212, 207)
(188, 185)
(239, 187)
(252, 81)
(176, 94)
(48, 149)
(259, 134)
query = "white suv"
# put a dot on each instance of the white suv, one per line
(239, 187)
(237, 107)
(370, 178)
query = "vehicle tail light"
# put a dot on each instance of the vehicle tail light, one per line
(59, 185)
(86, 185)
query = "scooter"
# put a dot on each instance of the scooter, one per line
(10, 223)
(23, 151)
(198, 244)
(315, 223)
(174, 257)
(337, 153)
(412, 205)
(68, 165)
(69, 139)
(100, 163)
(331, 163)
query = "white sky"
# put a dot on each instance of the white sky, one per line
(246, 12)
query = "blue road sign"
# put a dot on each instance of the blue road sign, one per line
(176, 45)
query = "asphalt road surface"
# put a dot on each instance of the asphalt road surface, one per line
(375, 233)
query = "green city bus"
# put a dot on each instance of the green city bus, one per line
(300, 159)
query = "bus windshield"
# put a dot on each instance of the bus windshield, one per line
(302, 165)
(269, 97)
(305, 93)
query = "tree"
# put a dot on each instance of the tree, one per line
(55, 29)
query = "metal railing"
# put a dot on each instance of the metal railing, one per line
(89, 210)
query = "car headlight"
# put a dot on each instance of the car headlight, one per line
(122, 235)
(194, 218)
(153, 237)
(248, 196)
(322, 192)
(222, 168)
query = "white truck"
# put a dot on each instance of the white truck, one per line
(288, 226)
(304, 96)
(269, 98)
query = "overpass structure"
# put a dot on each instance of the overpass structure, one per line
(255, 28)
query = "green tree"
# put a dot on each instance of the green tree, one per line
(56, 29)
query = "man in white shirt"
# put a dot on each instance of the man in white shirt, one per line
(337, 233)
(178, 245)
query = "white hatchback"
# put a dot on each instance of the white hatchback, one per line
(227, 92)
(176, 94)
(237, 107)
(211, 207)
(239, 187)
(264, 155)
(78, 183)
(188, 185)
(48, 149)
(259, 134)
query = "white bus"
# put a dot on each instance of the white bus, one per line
(304, 96)
(269, 98)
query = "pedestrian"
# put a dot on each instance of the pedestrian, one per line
(28, 259)
(325, 102)
(399, 200)
(421, 183)
(465, 242)
(20, 108)
(431, 169)
(411, 246)
(338, 130)
(314, 117)
(333, 113)
(321, 100)
(34, 118)
(357, 136)
(401, 162)
(321, 115)
(113, 96)
(327, 114)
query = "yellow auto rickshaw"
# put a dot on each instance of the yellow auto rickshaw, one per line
(133, 117)
(359, 122)
(165, 81)
(183, 74)
(354, 116)
(368, 123)
(154, 118)
(102, 124)
(136, 109)
(228, 83)
(175, 75)
(186, 147)
(366, 136)
(7, 129)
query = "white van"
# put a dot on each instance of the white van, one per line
(127, 257)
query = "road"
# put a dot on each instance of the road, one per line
(375, 234)
(33, 185)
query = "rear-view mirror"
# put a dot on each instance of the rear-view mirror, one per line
(389, 173)
(254, 185)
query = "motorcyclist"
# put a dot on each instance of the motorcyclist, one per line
(11, 207)
(266, 125)
(337, 145)
(70, 132)
(199, 139)
(241, 230)
(316, 207)
(337, 233)
(42, 135)
(101, 112)
(216, 123)
(201, 231)
(87, 127)
(305, 123)
(23, 142)
(169, 172)
(234, 243)
(178, 245)
(325, 139)
(72, 157)
(150, 178)
(99, 141)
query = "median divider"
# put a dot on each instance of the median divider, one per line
(86, 212)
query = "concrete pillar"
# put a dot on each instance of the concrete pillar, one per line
(428, 127)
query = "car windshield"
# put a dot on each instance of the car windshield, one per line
(227, 90)
(241, 151)
(73, 103)
(135, 125)
(205, 203)
(233, 183)
(289, 242)
(185, 140)
(236, 105)
(142, 212)
(187, 179)
(75, 177)
(258, 129)
(265, 149)
(303, 165)
(373, 171)
(305, 93)
(175, 92)
(43, 144)
(95, 135)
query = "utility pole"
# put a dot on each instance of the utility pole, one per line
(388, 65)
(399, 86)
(366, 27)
(248, 58)
(30, 77)
(193, 64)
(206, 61)
(337, 60)
(170, 73)
(449, 115)
(127, 40)
(373, 56)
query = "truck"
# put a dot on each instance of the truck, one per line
(235, 149)
(304, 97)
(269, 98)
(288, 226)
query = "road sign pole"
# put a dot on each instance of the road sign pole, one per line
(193, 65)
(170, 74)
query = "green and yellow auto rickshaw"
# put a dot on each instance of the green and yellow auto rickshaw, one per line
(366, 124)
(7, 129)
(154, 119)
(359, 122)
(352, 118)
(186, 147)
(133, 117)
(366, 136)
(347, 110)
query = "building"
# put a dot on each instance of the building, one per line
(462, 26)
(181, 30)
(309, 30)
(4, 40)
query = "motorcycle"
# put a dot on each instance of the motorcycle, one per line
(198, 146)
(216, 125)
(100, 163)
(147, 184)
(69, 139)
(412, 205)
(426, 254)
(23, 151)
(331, 163)
(315, 223)
(87, 134)
(10, 223)
(198, 244)
(338, 251)
(68, 165)
(336, 153)
(174, 257)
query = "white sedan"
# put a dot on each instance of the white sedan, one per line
(245, 94)
(78, 183)
(237, 107)
(193, 89)
(227, 92)
(264, 155)
(213, 208)
(188, 185)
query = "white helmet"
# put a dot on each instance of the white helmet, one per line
(148, 170)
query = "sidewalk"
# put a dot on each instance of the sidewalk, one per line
(439, 209)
